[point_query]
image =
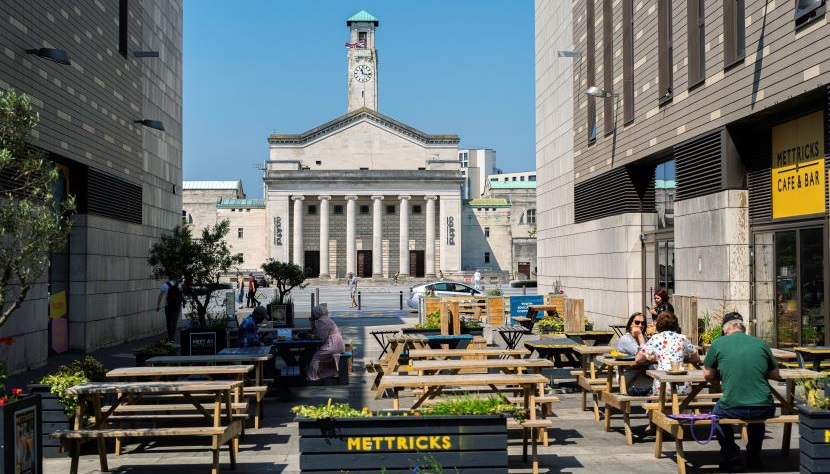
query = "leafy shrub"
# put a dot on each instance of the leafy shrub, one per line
(80, 371)
(329, 410)
(161, 347)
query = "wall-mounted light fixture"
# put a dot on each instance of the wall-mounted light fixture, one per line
(568, 54)
(604, 94)
(156, 124)
(52, 54)
(146, 54)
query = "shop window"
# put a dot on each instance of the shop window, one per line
(665, 189)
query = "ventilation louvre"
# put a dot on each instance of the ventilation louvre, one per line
(698, 164)
(113, 197)
(615, 192)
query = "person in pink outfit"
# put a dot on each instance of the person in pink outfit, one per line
(325, 362)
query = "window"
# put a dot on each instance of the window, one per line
(665, 51)
(486, 257)
(530, 216)
(240, 232)
(416, 209)
(808, 10)
(338, 209)
(734, 28)
(665, 188)
(390, 209)
(312, 209)
(364, 168)
(532, 177)
(364, 209)
(362, 36)
(628, 61)
(697, 43)
(123, 19)
(590, 75)
(521, 178)
(318, 162)
(487, 232)
(608, 63)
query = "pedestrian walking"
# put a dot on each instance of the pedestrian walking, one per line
(240, 287)
(171, 291)
(477, 279)
(351, 282)
(252, 287)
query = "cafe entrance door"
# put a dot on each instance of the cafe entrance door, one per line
(789, 286)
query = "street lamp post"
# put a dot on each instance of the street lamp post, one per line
(605, 94)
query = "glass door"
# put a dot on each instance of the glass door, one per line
(658, 265)
(788, 295)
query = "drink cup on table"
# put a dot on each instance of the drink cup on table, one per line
(676, 365)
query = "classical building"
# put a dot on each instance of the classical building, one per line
(682, 145)
(364, 192)
(207, 203)
(106, 81)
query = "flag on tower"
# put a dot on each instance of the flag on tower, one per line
(357, 44)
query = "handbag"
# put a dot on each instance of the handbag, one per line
(691, 417)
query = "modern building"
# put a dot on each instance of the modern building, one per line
(364, 192)
(106, 81)
(476, 165)
(682, 145)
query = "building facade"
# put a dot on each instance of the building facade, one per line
(476, 166)
(364, 192)
(106, 81)
(682, 145)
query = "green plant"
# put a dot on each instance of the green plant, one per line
(34, 209)
(433, 321)
(811, 393)
(469, 405)
(197, 262)
(329, 410)
(551, 322)
(161, 347)
(286, 276)
(712, 322)
(493, 292)
(80, 371)
(589, 326)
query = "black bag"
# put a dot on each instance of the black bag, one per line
(174, 294)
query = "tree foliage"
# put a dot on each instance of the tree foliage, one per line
(286, 276)
(33, 224)
(195, 262)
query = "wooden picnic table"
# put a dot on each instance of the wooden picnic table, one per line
(257, 356)
(487, 352)
(812, 356)
(678, 403)
(588, 379)
(559, 350)
(381, 336)
(430, 367)
(222, 426)
(236, 371)
(619, 399)
(591, 338)
(399, 347)
(297, 352)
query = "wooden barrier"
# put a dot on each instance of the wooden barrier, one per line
(685, 308)
(557, 301)
(574, 315)
(495, 310)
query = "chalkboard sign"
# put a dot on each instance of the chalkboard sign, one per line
(519, 304)
(203, 343)
(279, 314)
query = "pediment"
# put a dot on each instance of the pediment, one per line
(363, 115)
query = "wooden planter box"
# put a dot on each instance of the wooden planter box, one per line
(462, 444)
(21, 436)
(813, 426)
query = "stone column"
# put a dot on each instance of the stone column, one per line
(324, 236)
(351, 253)
(298, 255)
(377, 237)
(404, 241)
(430, 231)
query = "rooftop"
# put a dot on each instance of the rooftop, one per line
(229, 203)
(212, 184)
(362, 16)
(513, 184)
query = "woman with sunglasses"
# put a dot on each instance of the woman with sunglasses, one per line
(636, 380)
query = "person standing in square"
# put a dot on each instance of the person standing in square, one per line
(351, 282)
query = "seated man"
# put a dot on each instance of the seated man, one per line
(325, 362)
(743, 364)
(249, 329)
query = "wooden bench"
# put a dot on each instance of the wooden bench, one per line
(623, 404)
(533, 428)
(595, 387)
(72, 440)
(675, 428)
(484, 352)
(345, 367)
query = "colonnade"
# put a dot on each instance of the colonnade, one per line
(298, 256)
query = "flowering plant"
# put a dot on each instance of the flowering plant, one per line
(557, 288)
(8, 396)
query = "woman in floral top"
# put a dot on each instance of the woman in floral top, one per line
(667, 346)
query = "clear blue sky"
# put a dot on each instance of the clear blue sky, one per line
(254, 67)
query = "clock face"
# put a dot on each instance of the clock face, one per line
(363, 73)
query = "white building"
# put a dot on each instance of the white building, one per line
(364, 192)
(476, 165)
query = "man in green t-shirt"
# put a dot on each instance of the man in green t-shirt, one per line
(743, 364)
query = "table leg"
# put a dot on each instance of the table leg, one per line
(658, 433)
(102, 447)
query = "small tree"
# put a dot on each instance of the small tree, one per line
(197, 263)
(33, 225)
(286, 276)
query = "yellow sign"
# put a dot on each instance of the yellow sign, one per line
(798, 167)
(57, 305)
(401, 443)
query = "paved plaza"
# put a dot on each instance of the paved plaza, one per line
(577, 442)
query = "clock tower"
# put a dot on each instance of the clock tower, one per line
(362, 61)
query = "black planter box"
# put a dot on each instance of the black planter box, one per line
(814, 445)
(22, 449)
(430, 332)
(52, 418)
(396, 444)
(203, 341)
